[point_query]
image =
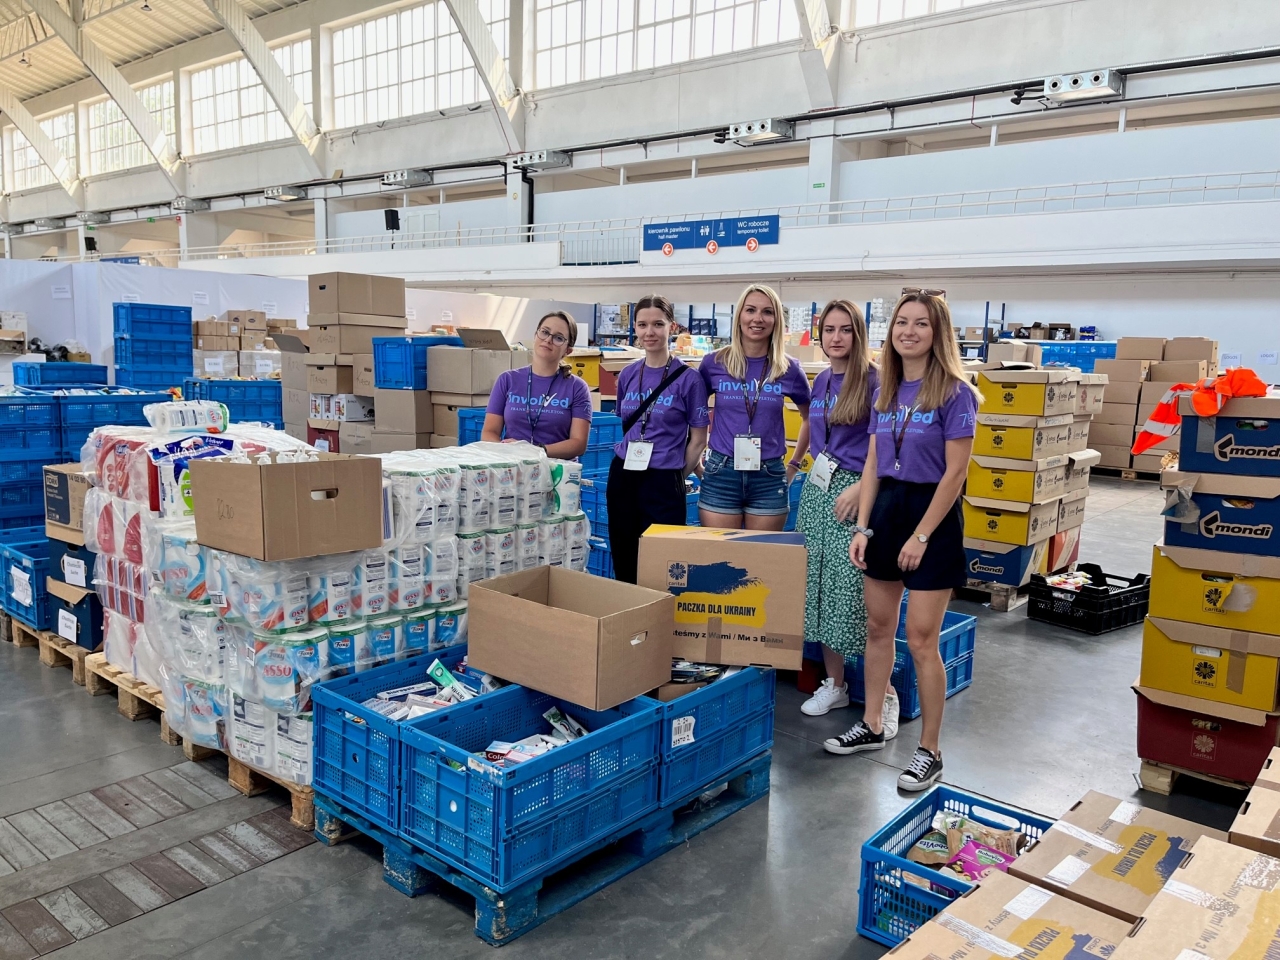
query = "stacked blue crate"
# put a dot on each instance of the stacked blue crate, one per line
(248, 401)
(29, 439)
(606, 431)
(25, 549)
(58, 374)
(400, 363)
(153, 345)
(1076, 353)
(793, 495)
(81, 408)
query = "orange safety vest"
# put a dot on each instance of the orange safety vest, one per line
(1207, 398)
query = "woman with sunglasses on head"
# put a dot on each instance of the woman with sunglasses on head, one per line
(835, 614)
(543, 403)
(909, 531)
(663, 406)
(744, 478)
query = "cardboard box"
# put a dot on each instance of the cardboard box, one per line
(609, 370)
(1193, 348)
(1022, 437)
(1153, 391)
(252, 340)
(1063, 549)
(211, 328)
(1029, 393)
(284, 511)
(323, 439)
(1238, 591)
(1219, 905)
(65, 485)
(1008, 563)
(1122, 392)
(1005, 521)
(460, 399)
(399, 324)
(349, 408)
(345, 338)
(326, 375)
(295, 404)
(216, 344)
(1202, 735)
(1122, 413)
(210, 364)
(356, 293)
(1149, 463)
(1019, 351)
(1110, 854)
(1007, 917)
(1090, 394)
(1213, 663)
(13, 343)
(362, 372)
(75, 613)
(355, 437)
(244, 320)
(445, 416)
(593, 642)
(293, 362)
(262, 364)
(1114, 457)
(1112, 434)
(441, 440)
(1071, 509)
(319, 407)
(1217, 511)
(1180, 371)
(1220, 444)
(1140, 348)
(1257, 825)
(470, 370)
(297, 430)
(1027, 481)
(739, 593)
(1122, 371)
(72, 563)
(391, 442)
(1078, 469)
(408, 411)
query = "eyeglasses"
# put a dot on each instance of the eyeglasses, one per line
(913, 291)
(546, 336)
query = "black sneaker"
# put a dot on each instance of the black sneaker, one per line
(924, 770)
(857, 739)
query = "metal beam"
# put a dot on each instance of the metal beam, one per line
(508, 104)
(818, 59)
(117, 87)
(235, 21)
(28, 126)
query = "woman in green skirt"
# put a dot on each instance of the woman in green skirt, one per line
(839, 414)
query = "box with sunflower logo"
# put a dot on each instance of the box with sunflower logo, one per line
(1019, 437)
(1110, 854)
(1204, 735)
(1026, 481)
(1033, 393)
(1213, 663)
(1236, 591)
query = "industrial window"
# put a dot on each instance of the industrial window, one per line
(29, 171)
(113, 143)
(230, 107)
(868, 13)
(409, 62)
(586, 39)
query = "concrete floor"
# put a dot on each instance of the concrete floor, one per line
(1049, 716)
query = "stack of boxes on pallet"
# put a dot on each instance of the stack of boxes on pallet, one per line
(75, 612)
(1208, 696)
(239, 344)
(1029, 476)
(1143, 370)
(459, 378)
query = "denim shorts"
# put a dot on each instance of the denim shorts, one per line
(761, 493)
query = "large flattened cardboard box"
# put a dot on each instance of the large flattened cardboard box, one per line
(1110, 854)
(1235, 591)
(1006, 917)
(593, 642)
(1220, 904)
(1229, 666)
(1257, 825)
(356, 293)
(1244, 438)
(286, 511)
(474, 367)
(65, 486)
(739, 593)
(1029, 393)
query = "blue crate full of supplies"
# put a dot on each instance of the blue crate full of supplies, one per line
(606, 428)
(892, 907)
(400, 363)
(600, 558)
(47, 374)
(81, 410)
(470, 424)
(152, 321)
(357, 750)
(502, 825)
(26, 567)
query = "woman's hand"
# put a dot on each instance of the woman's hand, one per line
(792, 471)
(858, 551)
(911, 555)
(847, 502)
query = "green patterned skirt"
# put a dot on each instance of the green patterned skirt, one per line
(834, 610)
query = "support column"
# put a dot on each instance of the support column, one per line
(197, 230)
(825, 154)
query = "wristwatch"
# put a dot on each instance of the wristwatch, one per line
(922, 537)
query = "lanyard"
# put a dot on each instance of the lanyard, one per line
(542, 405)
(644, 422)
(900, 435)
(752, 403)
(826, 408)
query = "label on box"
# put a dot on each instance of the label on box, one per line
(217, 598)
(67, 625)
(978, 937)
(682, 731)
(1126, 813)
(322, 445)
(1025, 904)
(1068, 871)
(74, 571)
(262, 365)
(213, 365)
(21, 590)
(1268, 356)
(1206, 651)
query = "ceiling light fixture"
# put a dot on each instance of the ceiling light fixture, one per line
(24, 60)
(146, 7)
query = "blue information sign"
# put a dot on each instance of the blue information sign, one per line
(695, 234)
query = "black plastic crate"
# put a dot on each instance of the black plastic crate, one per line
(1108, 603)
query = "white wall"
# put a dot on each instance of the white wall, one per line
(517, 317)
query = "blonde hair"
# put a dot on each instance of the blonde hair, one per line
(734, 359)
(853, 403)
(565, 365)
(945, 373)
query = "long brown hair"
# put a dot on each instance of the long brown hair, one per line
(945, 373)
(572, 324)
(853, 402)
(734, 359)
(655, 301)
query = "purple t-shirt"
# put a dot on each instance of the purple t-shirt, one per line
(557, 402)
(923, 457)
(733, 398)
(667, 421)
(848, 442)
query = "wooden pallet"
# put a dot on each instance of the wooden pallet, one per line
(1124, 473)
(1161, 778)
(56, 651)
(252, 782)
(1001, 596)
(18, 633)
(137, 698)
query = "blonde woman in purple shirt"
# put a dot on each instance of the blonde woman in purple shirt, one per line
(543, 403)
(744, 478)
(909, 531)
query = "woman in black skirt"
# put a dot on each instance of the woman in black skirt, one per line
(909, 531)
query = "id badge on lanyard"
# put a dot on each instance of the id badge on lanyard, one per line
(746, 453)
(821, 472)
(639, 453)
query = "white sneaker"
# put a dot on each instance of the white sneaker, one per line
(826, 698)
(890, 715)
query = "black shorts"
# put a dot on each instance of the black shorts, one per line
(898, 509)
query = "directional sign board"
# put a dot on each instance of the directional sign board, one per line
(698, 234)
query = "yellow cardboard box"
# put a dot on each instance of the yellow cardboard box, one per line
(1017, 437)
(586, 364)
(1026, 481)
(1229, 666)
(1032, 393)
(792, 418)
(1233, 590)
(1006, 521)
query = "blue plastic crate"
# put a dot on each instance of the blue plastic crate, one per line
(20, 522)
(357, 752)
(890, 908)
(161, 356)
(704, 763)
(31, 443)
(470, 424)
(22, 499)
(28, 410)
(400, 363)
(247, 400)
(22, 471)
(26, 567)
(600, 558)
(504, 825)
(145, 379)
(153, 321)
(606, 430)
(44, 374)
(107, 406)
(596, 459)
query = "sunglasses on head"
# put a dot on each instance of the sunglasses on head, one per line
(913, 291)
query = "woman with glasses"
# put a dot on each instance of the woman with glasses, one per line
(744, 479)
(544, 403)
(663, 406)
